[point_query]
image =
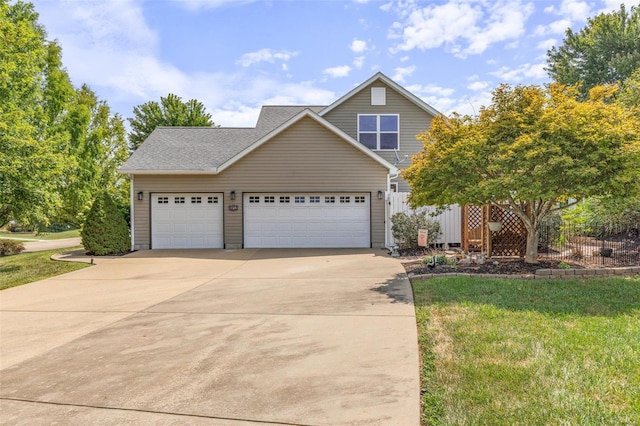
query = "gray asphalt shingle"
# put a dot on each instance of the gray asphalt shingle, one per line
(204, 148)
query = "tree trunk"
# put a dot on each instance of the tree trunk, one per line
(531, 255)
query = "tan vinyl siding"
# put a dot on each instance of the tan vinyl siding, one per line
(413, 121)
(307, 157)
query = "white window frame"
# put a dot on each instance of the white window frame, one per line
(378, 132)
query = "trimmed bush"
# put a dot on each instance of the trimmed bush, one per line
(105, 230)
(405, 229)
(8, 247)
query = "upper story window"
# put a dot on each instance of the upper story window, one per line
(379, 131)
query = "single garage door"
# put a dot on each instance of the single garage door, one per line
(299, 220)
(186, 220)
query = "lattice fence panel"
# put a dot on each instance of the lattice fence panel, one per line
(511, 240)
(473, 232)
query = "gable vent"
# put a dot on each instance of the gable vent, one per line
(378, 96)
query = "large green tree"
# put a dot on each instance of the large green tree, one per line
(58, 145)
(629, 93)
(170, 111)
(605, 51)
(31, 86)
(98, 145)
(530, 151)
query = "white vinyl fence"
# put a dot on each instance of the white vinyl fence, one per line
(450, 220)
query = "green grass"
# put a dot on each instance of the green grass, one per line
(525, 352)
(29, 267)
(32, 236)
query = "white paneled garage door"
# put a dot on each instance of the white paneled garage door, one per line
(300, 220)
(186, 220)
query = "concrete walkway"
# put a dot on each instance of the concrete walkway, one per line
(304, 337)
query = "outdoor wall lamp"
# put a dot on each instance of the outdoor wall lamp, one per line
(232, 195)
(140, 195)
(380, 195)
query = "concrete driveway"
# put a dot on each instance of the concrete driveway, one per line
(300, 337)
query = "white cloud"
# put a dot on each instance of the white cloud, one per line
(470, 105)
(339, 71)
(525, 71)
(195, 5)
(547, 44)
(478, 85)
(358, 46)
(358, 62)
(613, 5)
(464, 27)
(573, 10)
(430, 89)
(402, 72)
(386, 7)
(265, 55)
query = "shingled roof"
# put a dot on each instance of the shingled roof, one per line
(204, 149)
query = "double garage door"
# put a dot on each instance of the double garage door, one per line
(271, 220)
(301, 220)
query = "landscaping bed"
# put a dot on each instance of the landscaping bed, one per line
(491, 266)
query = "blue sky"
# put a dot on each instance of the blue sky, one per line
(236, 55)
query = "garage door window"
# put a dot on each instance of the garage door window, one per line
(284, 200)
(163, 200)
(254, 200)
(269, 200)
(345, 199)
(299, 200)
(196, 200)
(212, 200)
(314, 199)
(329, 200)
(178, 200)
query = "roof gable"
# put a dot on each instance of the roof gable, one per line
(395, 86)
(311, 114)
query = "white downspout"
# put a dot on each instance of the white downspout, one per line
(131, 212)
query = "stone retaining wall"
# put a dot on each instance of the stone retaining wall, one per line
(545, 274)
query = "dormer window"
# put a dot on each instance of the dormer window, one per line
(379, 131)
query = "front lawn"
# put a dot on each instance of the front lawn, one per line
(506, 352)
(32, 236)
(28, 267)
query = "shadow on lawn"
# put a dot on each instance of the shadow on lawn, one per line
(593, 297)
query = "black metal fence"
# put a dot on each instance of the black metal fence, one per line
(593, 243)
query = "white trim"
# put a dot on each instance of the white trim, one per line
(379, 76)
(308, 113)
(131, 212)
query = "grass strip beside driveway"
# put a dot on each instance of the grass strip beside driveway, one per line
(29, 267)
(505, 352)
(46, 236)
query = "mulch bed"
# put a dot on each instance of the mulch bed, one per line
(412, 262)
